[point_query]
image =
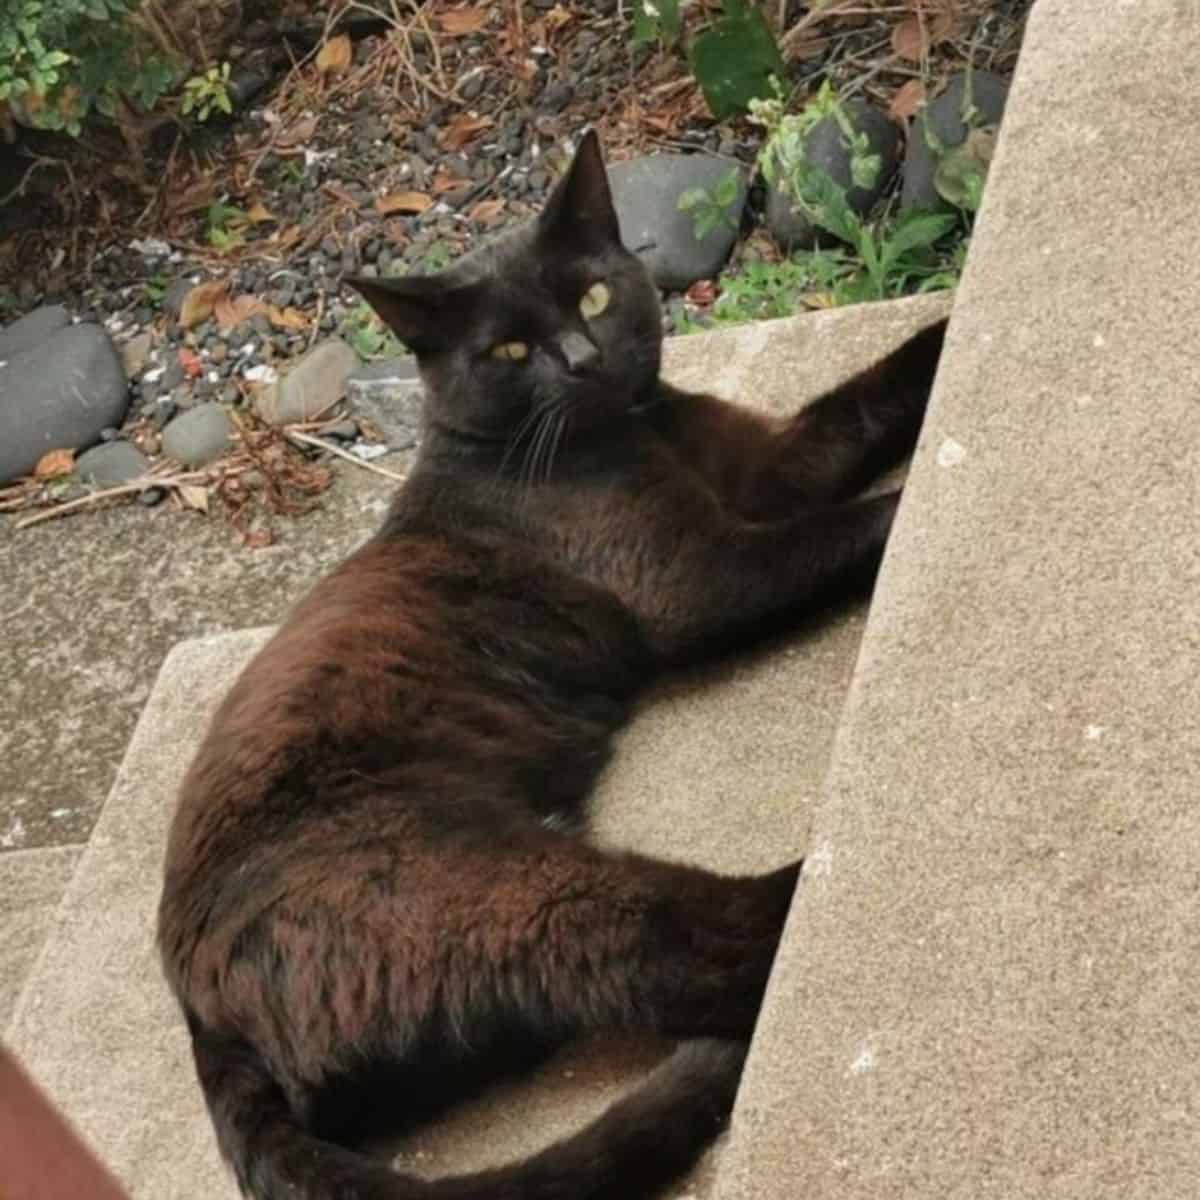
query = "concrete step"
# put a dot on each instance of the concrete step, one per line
(720, 768)
(988, 983)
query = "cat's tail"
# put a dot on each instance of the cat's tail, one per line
(639, 1144)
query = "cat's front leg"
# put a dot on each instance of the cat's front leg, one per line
(710, 589)
(829, 451)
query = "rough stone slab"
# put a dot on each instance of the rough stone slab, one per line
(988, 987)
(31, 885)
(719, 768)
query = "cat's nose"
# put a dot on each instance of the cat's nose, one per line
(579, 352)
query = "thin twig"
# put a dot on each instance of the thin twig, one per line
(125, 489)
(306, 440)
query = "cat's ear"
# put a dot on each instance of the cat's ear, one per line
(421, 310)
(580, 210)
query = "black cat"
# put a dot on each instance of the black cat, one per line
(376, 886)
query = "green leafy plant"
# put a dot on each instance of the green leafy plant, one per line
(656, 21)
(368, 335)
(154, 289)
(711, 208)
(227, 225)
(60, 60)
(736, 59)
(207, 93)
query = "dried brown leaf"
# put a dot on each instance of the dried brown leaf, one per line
(335, 55)
(443, 182)
(229, 313)
(907, 100)
(459, 22)
(486, 211)
(198, 304)
(260, 214)
(913, 37)
(298, 134)
(194, 496)
(287, 318)
(462, 130)
(403, 202)
(53, 463)
(288, 237)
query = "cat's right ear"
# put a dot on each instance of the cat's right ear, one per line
(419, 309)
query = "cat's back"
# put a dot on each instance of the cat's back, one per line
(441, 674)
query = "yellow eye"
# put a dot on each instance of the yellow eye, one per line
(510, 351)
(595, 300)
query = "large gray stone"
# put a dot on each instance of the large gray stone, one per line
(390, 395)
(59, 394)
(979, 95)
(988, 985)
(198, 436)
(311, 387)
(111, 464)
(646, 194)
(827, 148)
(31, 329)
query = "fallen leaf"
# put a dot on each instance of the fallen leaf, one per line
(558, 16)
(335, 55)
(912, 38)
(485, 211)
(443, 181)
(198, 304)
(287, 237)
(907, 100)
(194, 496)
(229, 313)
(260, 214)
(462, 129)
(403, 202)
(56, 462)
(287, 318)
(459, 22)
(189, 360)
(703, 291)
(811, 45)
(299, 133)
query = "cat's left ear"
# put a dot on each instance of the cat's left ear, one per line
(580, 210)
(422, 310)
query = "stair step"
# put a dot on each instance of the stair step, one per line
(988, 983)
(719, 768)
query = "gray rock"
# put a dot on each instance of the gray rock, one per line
(391, 397)
(646, 193)
(111, 464)
(175, 295)
(32, 328)
(827, 148)
(136, 351)
(198, 436)
(59, 394)
(943, 117)
(313, 385)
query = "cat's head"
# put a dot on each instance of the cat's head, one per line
(556, 315)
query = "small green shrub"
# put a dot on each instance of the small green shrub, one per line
(207, 93)
(61, 60)
(711, 208)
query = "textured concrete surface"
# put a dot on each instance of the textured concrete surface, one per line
(720, 768)
(93, 602)
(989, 982)
(31, 885)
